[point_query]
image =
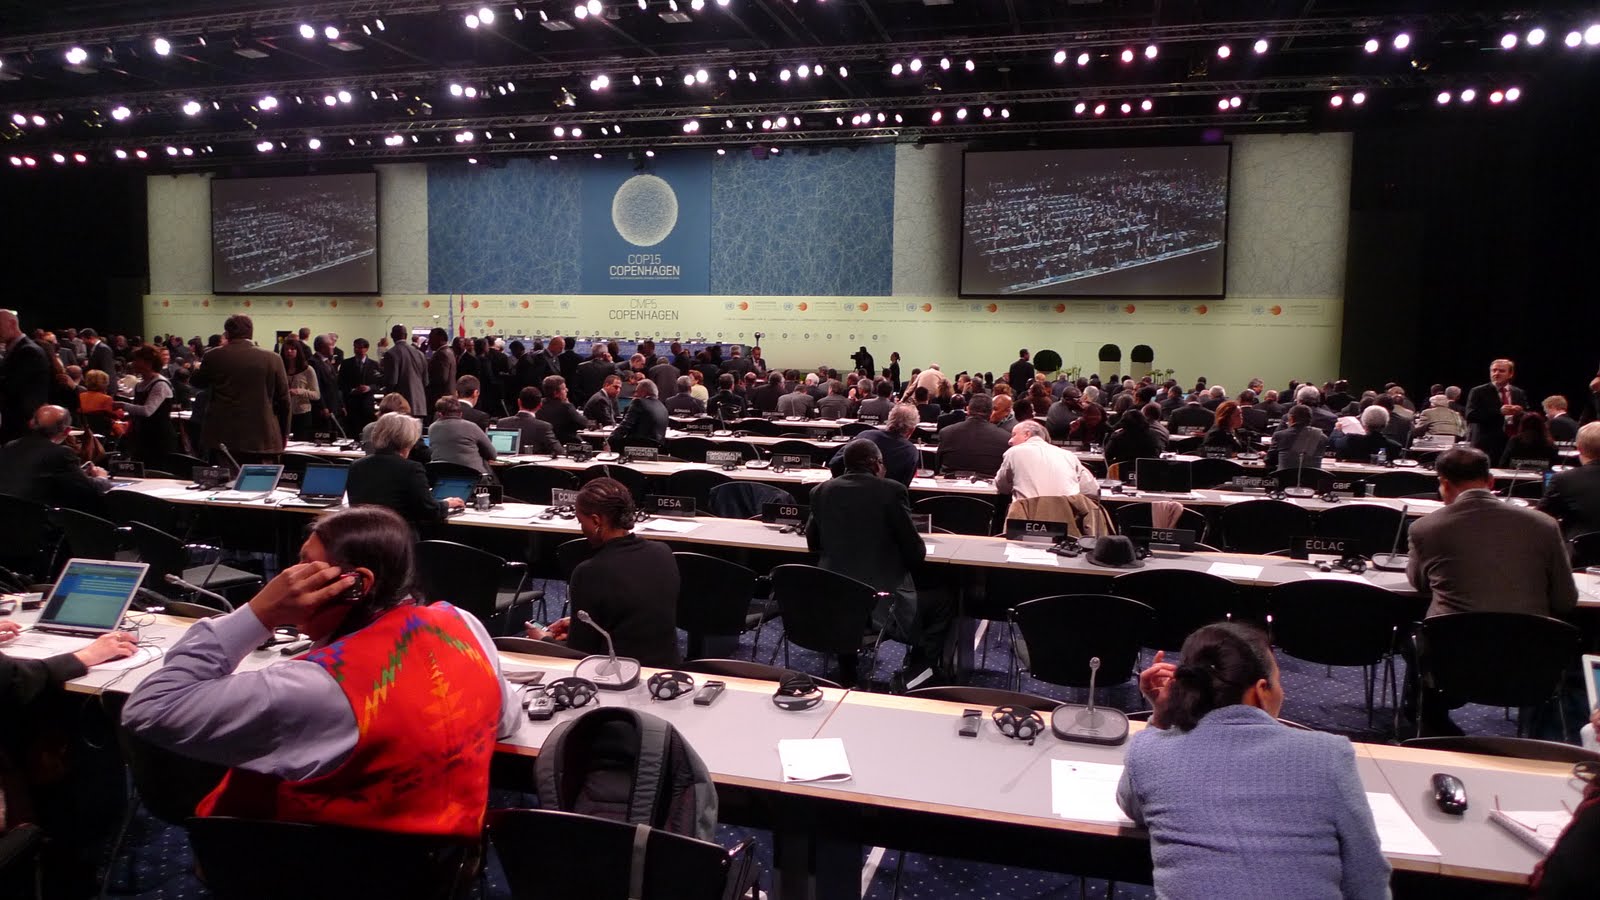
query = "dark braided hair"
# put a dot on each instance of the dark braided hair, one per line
(609, 499)
(1220, 663)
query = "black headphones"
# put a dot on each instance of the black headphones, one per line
(571, 693)
(1355, 565)
(1067, 547)
(797, 691)
(669, 685)
(1018, 722)
(567, 511)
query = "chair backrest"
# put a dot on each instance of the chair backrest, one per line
(743, 499)
(670, 866)
(1337, 623)
(123, 507)
(987, 698)
(958, 514)
(297, 462)
(1209, 472)
(744, 668)
(1183, 601)
(1506, 747)
(21, 539)
(463, 576)
(532, 484)
(1497, 658)
(438, 469)
(756, 426)
(1262, 526)
(690, 449)
(164, 554)
(820, 454)
(182, 463)
(1585, 550)
(570, 553)
(243, 859)
(713, 595)
(696, 483)
(1139, 515)
(746, 449)
(631, 478)
(531, 647)
(1401, 483)
(86, 536)
(854, 428)
(1318, 480)
(1065, 631)
(1372, 527)
(822, 611)
(169, 785)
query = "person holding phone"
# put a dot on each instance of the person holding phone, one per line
(350, 733)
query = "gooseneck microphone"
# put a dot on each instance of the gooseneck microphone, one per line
(1393, 561)
(610, 672)
(231, 461)
(611, 648)
(1084, 723)
(175, 581)
(1094, 670)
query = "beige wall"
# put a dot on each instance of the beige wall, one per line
(1281, 319)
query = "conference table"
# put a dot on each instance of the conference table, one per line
(917, 786)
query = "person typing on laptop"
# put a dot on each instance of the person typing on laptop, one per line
(21, 680)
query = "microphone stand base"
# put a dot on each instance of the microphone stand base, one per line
(1390, 562)
(608, 673)
(1080, 724)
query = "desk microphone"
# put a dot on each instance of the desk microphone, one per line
(1393, 561)
(175, 581)
(233, 462)
(1086, 724)
(17, 581)
(610, 672)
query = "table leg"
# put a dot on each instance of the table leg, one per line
(810, 867)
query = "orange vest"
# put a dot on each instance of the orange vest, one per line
(427, 706)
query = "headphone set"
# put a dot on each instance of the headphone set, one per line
(797, 692)
(567, 511)
(1355, 565)
(1018, 722)
(669, 685)
(570, 692)
(1068, 547)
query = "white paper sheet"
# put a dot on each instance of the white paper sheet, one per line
(36, 645)
(932, 549)
(822, 759)
(1397, 833)
(1086, 791)
(669, 526)
(1338, 576)
(1020, 554)
(924, 482)
(1234, 570)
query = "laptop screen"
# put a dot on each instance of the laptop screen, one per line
(454, 486)
(257, 479)
(623, 403)
(324, 481)
(506, 441)
(92, 593)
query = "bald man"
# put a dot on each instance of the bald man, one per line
(40, 467)
(24, 378)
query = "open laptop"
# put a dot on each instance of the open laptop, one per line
(255, 482)
(1591, 679)
(455, 486)
(506, 441)
(323, 485)
(90, 597)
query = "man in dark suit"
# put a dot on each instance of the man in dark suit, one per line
(975, 445)
(101, 356)
(569, 360)
(592, 375)
(764, 399)
(25, 377)
(468, 390)
(1021, 375)
(249, 394)
(900, 457)
(1490, 406)
(359, 375)
(601, 410)
(322, 362)
(880, 405)
(405, 371)
(683, 403)
(38, 466)
(1269, 404)
(441, 368)
(861, 527)
(557, 410)
(536, 433)
(1574, 495)
(1191, 415)
(645, 420)
(1562, 426)
(1254, 418)
(1300, 445)
(725, 405)
(666, 376)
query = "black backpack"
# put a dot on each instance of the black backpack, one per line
(627, 766)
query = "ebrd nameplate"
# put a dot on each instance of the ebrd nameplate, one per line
(1089, 725)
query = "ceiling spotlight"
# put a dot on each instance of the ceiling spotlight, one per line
(1591, 35)
(988, 112)
(803, 71)
(594, 7)
(599, 83)
(844, 72)
(733, 75)
(688, 78)
(697, 5)
(17, 160)
(784, 75)
(59, 158)
(1535, 37)
(944, 63)
(1260, 46)
(961, 113)
(77, 56)
(1060, 57)
(188, 151)
(1469, 95)
(1099, 109)
(267, 102)
(162, 47)
(1371, 46)
(119, 154)
(473, 160)
(29, 161)
(455, 90)
(19, 118)
(700, 76)
(466, 137)
(314, 144)
(693, 125)
(172, 151)
(517, 11)
(1083, 58)
(970, 66)
(721, 152)
(379, 24)
(471, 19)
(79, 158)
(1336, 101)
(393, 140)
(1513, 94)
(1508, 41)
(331, 33)
(554, 157)
(1224, 51)
(1358, 98)
(766, 125)
(1573, 39)
(898, 119)
(141, 154)
(330, 100)
(120, 113)
(344, 96)
(307, 32)
(854, 120)
(1223, 104)
(576, 132)
(937, 117)
(39, 121)
(650, 154)
(599, 156)
(1234, 101)
(896, 69)
(1147, 105)
(559, 131)
(722, 2)
(486, 15)
(915, 66)
(1150, 51)
(470, 91)
(1496, 97)
(580, 12)
(1402, 41)
(191, 108)
(1127, 108)
(1079, 108)
(1127, 56)
(264, 147)
(750, 75)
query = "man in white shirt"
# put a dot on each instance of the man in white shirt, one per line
(1034, 467)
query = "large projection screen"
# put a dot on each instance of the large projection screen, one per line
(1133, 222)
(315, 234)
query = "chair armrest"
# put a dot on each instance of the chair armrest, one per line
(744, 871)
(19, 843)
(515, 565)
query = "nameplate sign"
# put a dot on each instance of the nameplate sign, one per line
(1035, 532)
(772, 416)
(1190, 430)
(211, 475)
(870, 420)
(578, 452)
(1162, 538)
(641, 454)
(1314, 547)
(1536, 465)
(727, 459)
(321, 438)
(791, 514)
(1215, 452)
(699, 426)
(791, 460)
(563, 497)
(127, 468)
(1074, 446)
(665, 505)
(494, 492)
(1354, 487)
(289, 479)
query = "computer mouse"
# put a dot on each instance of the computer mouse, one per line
(1449, 793)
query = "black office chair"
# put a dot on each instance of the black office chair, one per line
(1208, 472)
(852, 429)
(474, 580)
(744, 668)
(123, 507)
(744, 499)
(746, 449)
(165, 784)
(182, 463)
(533, 483)
(714, 602)
(756, 426)
(24, 544)
(1186, 443)
(1318, 480)
(19, 861)
(1372, 527)
(1262, 526)
(985, 698)
(1340, 623)
(85, 536)
(570, 553)
(438, 469)
(1401, 483)
(696, 483)
(531, 647)
(958, 514)
(1585, 550)
(1138, 515)
(167, 555)
(630, 478)
(691, 449)
(1497, 659)
(670, 866)
(243, 859)
(1506, 748)
(1183, 601)
(1053, 638)
(827, 613)
(820, 454)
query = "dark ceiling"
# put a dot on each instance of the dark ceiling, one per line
(240, 83)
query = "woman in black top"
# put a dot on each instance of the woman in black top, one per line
(1133, 441)
(390, 478)
(1227, 431)
(1531, 442)
(1090, 427)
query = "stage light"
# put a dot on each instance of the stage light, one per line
(314, 144)
(472, 92)
(191, 108)
(700, 76)
(39, 121)
(141, 154)
(264, 147)
(1127, 108)
(1224, 51)
(268, 102)
(854, 120)
(775, 151)
(1371, 46)
(1150, 51)
(121, 113)
(733, 75)
(915, 66)
(455, 90)
(937, 117)
(1260, 46)
(803, 71)
(580, 12)
(473, 160)
(378, 23)
(650, 154)
(898, 119)
(844, 72)
(1147, 105)
(1469, 95)
(1513, 94)
(594, 8)
(307, 32)
(79, 158)
(1336, 101)
(1099, 109)
(1080, 107)
(331, 33)
(961, 114)
(896, 69)
(517, 11)
(119, 154)
(1496, 97)
(988, 112)
(944, 63)
(784, 75)
(1234, 102)
(1060, 57)
(1508, 41)
(697, 5)
(721, 152)
(559, 131)
(783, 122)
(722, 2)
(1127, 56)
(576, 132)
(1573, 39)
(471, 20)
(688, 78)
(330, 100)
(766, 125)
(1358, 98)
(188, 151)
(344, 96)
(1083, 58)
(1535, 37)
(162, 46)
(599, 156)
(1591, 35)
(59, 158)
(554, 157)
(486, 15)
(19, 118)
(393, 140)
(77, 56)
(17, 160)
(599, 83)
(1401, 41)
(29, 161)
(1223, 104)
(691, 126)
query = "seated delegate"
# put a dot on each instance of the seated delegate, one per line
(349, 734)
(1236, 803)
(388, 477)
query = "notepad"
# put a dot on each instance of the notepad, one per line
(667, 525)
(1086, 791)
(1397, 833)
(1338, 576)
(821, 759)
(1021, 554)
(1539, 829)
(1234, 570)
(931, 548)
(924, 482)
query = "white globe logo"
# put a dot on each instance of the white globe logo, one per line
(644, 210)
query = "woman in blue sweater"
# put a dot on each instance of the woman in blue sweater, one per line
(1237, 804)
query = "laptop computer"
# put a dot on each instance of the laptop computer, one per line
(506, 441)
(255, 482)
(323, 485)
(90, 597)
(455, 486)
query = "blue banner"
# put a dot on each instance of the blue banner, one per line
(647, 231)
